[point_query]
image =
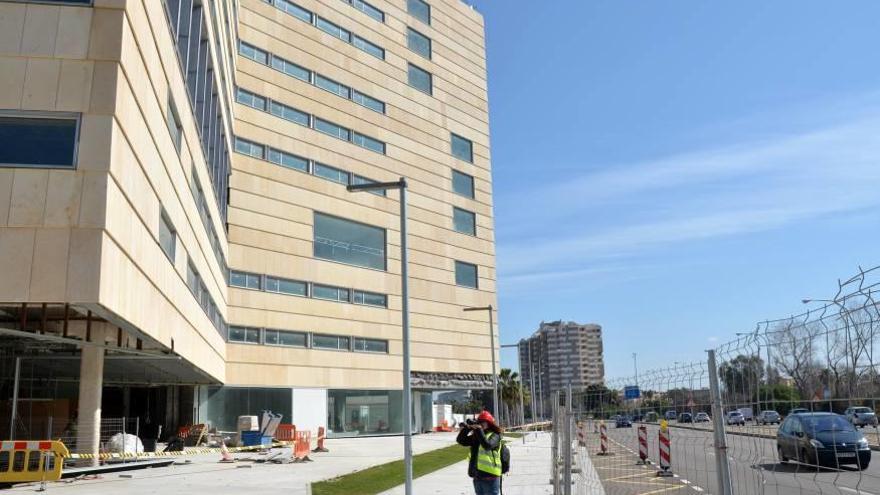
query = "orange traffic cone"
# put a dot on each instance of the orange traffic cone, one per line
(225, 456)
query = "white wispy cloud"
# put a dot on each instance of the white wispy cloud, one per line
(624, 211)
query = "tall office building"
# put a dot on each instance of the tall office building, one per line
(176, 237)
(558, 354)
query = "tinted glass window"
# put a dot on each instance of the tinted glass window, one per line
(464, 221)
(330, 342)
(245, 280)
(462, 148)
(368, 47)
(285, 286)
(826, 423)
(294, 10)
(291, 69)
(420, 79)
(462, 184)
(253, 53)
(334, 30)
(331, 173)
(167, 237)
(249, 148)
(420, 10)
(289, 113)
(282, 337)
(368, 143)
(369, 10)
(332, 86)
(357, 179)
(418, 42)
(287, 160)
(349, 242)
(250, 99)
(37, 141)
(174, 124)
(465, 274)
(367, 101)
(331, 129)
(370, 345)
(369, 299)
(245, 335)
(329, 293)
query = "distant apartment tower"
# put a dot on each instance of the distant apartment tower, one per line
(560, 353)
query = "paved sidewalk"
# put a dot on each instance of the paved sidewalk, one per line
(529, 472)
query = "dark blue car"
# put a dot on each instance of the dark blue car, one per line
(824, 439)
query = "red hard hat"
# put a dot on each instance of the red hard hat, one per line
(487, 417)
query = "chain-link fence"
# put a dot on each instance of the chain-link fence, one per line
(788, 407)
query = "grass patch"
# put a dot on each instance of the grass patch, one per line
(383, 477)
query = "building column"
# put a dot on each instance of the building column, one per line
(91, 383)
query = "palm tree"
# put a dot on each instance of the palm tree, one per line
(510, 387)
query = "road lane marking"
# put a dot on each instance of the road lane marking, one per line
(852, 490)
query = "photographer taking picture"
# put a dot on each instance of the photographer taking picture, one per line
(483, 437)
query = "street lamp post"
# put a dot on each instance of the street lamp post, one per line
(490, 309)
(401, 186)
(844, 314)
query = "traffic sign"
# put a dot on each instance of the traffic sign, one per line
(631, 392)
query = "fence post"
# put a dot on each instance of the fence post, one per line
(554, 447)
(566, 450)
(722, 466)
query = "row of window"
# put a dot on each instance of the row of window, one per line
(289, 338)
(188, 26)
(296, 162)
(367, 9)
(168, 243)
(205, 215)
(291, 114)
(299, 72)
(328, 27)
(268, 283)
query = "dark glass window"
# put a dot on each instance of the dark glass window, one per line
(284, 338)
(332, 86)
(31, 140)
(174, 126)
(368, 143)
(349, 242)
(370, 345)
(285, 286)
(369, 299)
(419, 9)
(333, 30)
(329, 293)
(331, 173)
(464, 221)
(289, 113)
(167, 237)
(367, 101)
(332, 129)
(465, 274)
(244, 335)
(462, 184)
(330, 342)
(291, 69)
(462, 148)
(288, 160)
(418, 42)
(368, 47)
(420, 79)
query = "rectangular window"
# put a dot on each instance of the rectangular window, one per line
(367, 101)
(248, 148)
(420, 79)
(38, 139)
(291, 69)
(333, 30)
(332, 129)
(349, 242)
(253, 53)
(369, 299)
(465, 274)
(244, 335)
(369, 10)
(284, 338)
(368, 142)
(192, 279)
(245, 280)
(331, 173)
(289, 113)
(294, 10)
(420, 10)
(250, 99)
(287, 160)
(285, 286)
(368, 47)
(462, 148)
(370, 345)
(418, 42)
(330, 342)
(462, 184)
(167, 237)
(357, 179)
(464, 221)
(332, 86)
(329, 293)
(174, 126)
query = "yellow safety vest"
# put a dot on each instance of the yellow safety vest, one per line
(489, 461)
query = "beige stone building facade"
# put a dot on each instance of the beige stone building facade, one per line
(175, 222)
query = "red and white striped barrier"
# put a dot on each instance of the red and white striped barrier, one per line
(643, 445)
(665, 451)
(581, 434)
(603, 436)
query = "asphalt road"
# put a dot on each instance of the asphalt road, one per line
(754, 466)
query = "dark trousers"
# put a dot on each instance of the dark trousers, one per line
(487, 486)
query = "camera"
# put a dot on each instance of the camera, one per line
(467, 422)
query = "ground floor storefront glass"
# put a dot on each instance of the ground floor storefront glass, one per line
(364, 412)
(223, 405)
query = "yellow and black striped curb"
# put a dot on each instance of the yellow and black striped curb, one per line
(193, 451)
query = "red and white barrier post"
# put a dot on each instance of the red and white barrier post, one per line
(581, 434)
(603, 437)
(643, 445)
(665, 451)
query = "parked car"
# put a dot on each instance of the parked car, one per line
(701, 417)
(747, 413)
(651, 417)
(686, 418)
(638, 418)
(824, 439)
(768, 418)
(861, 416)
(735, 418)
(670, 415)
(623, 422)
(798, 410)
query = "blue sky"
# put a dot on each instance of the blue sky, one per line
(689, 168)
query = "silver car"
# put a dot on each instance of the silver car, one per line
(861, 416)
(768, 418)
(735, 418)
